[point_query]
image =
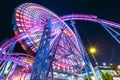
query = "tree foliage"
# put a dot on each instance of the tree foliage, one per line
(106, 76)
(114, 67)
(87, 77)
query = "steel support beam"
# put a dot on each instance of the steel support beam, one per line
(40, 65)
(83, 52)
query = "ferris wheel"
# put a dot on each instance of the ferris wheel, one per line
(49, 42)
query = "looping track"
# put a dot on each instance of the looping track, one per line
(31, 19)
(81, 17)
(18, 60)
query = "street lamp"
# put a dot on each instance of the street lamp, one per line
(93, 51)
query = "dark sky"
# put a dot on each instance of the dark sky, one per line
(91, 33)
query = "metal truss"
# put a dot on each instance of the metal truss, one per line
(114, 33)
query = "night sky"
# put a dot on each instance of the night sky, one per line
(92, 34)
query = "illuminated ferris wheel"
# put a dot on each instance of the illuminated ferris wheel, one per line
(52, 47)
(29, 16)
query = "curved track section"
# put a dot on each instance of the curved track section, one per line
(29, 22)
(64, 18)
(16, 60)
(21, 54)
(91, 18)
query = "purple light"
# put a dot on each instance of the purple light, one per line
(30, 20)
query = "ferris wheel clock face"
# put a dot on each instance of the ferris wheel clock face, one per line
(30, 19)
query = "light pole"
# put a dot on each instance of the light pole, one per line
(93, 51)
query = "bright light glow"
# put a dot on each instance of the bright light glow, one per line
(92, 50)
(83, 63)
(104, 64)
(118, 66)
(111, 64)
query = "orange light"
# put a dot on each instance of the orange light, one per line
(65, 32)
(23, 47)
(58, 68)
(17, 19)
(18, 24)
(16, 32)
(17, 14)
(17, 10)
(58, 64)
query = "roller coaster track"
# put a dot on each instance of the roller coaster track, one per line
(91, 18)
(16, 60)
(6, 53)
(21, 54)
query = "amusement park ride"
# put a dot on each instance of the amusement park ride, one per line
(52, 47)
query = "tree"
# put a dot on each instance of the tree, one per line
(114, 67)
(106, 76)
(87, 77)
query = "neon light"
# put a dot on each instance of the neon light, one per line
(31, 15)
